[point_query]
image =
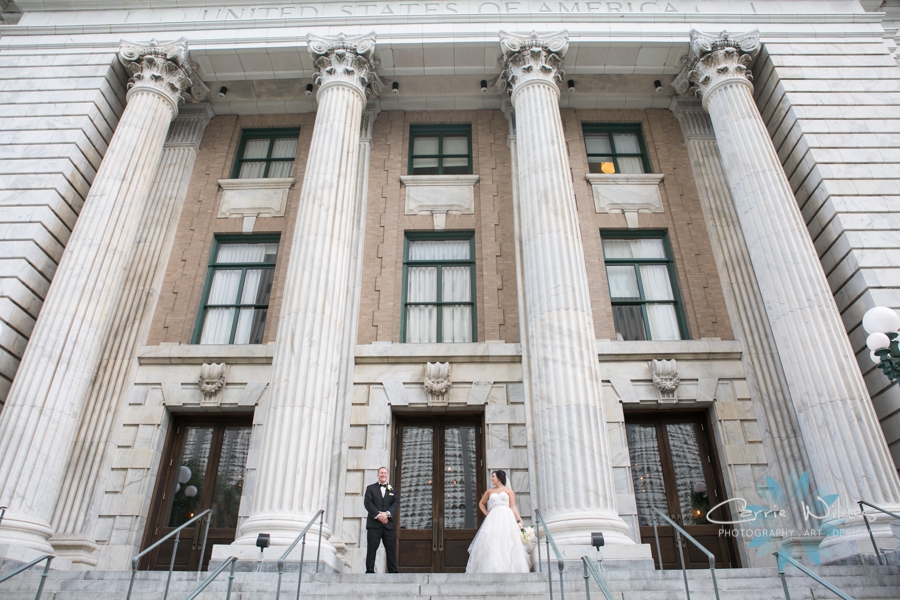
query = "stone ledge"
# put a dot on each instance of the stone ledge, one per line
(254, 197)
(474, 352)
(439, 194)
(198, 354)
(613, 351)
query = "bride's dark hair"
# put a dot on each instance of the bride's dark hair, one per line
(501, 475)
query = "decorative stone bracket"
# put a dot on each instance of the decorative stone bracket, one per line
(252, 198)
(439, 195)
(212, 379)
(665, 378)
(630, 194)
(437, 383)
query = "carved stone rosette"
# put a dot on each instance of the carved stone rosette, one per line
(348, 60)
(716, 60)
(532, 58)
(164, 68)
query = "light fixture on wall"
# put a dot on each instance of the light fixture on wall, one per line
(395, 87)
(571, 86)
(309, 89)
(882, 324)
(658, 85)
(483, 86)
(222, 91)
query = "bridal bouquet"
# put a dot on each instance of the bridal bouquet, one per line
(528, 538)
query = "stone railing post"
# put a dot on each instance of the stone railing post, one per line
(841, 434)
(39, 423)
(575, 488)
(295, 463)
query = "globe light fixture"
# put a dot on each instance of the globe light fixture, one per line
(882, 324)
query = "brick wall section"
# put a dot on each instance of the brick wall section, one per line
(179, 304)
(833, 111)
(380, 309)
(698, 280)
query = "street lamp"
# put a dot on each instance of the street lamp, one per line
(882, 323)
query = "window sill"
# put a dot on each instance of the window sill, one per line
(206, 353)
(254, 197)
(624, 193)
(440, 194)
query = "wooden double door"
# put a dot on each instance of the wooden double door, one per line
(439, 470)
(675, 470)
(202, 468)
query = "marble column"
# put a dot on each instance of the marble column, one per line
(82, 492)
(39, 424)
(841, 435)
(575, 489)
(295, 463)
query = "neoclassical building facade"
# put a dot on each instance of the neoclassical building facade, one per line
(252, 252)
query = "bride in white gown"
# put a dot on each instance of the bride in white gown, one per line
(497, 547)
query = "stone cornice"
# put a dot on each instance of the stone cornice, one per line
(532, 57)
(163, 68)
(346, 60)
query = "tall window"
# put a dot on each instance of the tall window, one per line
(439, 288)
(266, 153)
(440, 149)
(615, 148)
(642, 287)
(237, 292)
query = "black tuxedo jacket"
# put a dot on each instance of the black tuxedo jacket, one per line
(375, 504)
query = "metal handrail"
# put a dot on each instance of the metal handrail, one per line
(2, 512)
(589, 569)
(787, 594)
(48, 558)
(321, 517)
(177, 533)
(679, 531)
(559, 559)
(869, 527)
(231, 560)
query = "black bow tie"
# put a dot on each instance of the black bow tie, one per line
(382, 487)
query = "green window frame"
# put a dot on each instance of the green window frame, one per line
(604, 156)
(250, 313)
(280, 144)
(640, 293)
(439, 303)
(438, 150)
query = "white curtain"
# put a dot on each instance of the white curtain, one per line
(627, 143)
(254, 149)
(421, 321)
(622, 281)
(658, 286)
(224, 290)
(640, 248)
(283, 148)
(457, 320)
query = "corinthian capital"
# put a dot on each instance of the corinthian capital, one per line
(715, 60)
(165, 68)
(350, 60)
(532, 57)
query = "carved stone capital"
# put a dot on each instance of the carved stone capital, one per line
(347, 60)
(164, 68)
(717, 60)
(528, 58)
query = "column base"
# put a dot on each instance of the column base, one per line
(77, 548)
(248, 558)
(853, 546)
(572, 530)
(26, 534)
(283, 530)
(13, 556)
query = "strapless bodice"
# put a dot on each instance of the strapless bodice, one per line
(498, 499)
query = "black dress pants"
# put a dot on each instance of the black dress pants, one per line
(375, 537)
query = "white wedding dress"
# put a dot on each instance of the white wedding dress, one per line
(497, 547)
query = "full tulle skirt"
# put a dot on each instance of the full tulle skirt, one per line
(497, 547)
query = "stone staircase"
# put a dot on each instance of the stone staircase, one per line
(860, 582)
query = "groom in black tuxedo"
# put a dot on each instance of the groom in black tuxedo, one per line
(382, 502)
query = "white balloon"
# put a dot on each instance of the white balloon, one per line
(875, 358)
(177, 487)
(184, 474)
(877, 341)
(190, 491)
(881, 319)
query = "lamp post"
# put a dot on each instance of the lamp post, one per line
(882, 323)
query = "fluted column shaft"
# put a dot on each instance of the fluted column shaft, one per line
(576, 492)
(39, 424)
(79, 500)
(296, 455)
(845, 445)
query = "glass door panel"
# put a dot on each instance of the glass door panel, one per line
(203, 468)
